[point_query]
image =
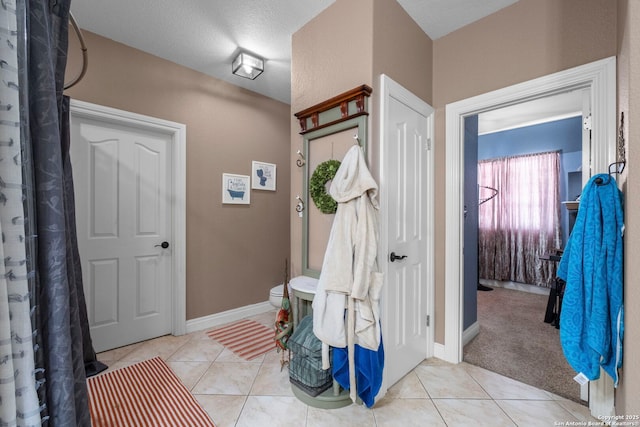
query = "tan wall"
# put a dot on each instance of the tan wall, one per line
(627, 396)
(529, 39)
(402, 51)
(331, 54)
(349, 44)
(235, 253)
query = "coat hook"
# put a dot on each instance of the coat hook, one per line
(357, 138)
(301, 160)
(299, 206)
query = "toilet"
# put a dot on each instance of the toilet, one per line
(305, 283)
(275, 295)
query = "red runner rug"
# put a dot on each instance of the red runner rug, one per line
(145, 394)
(246, 338)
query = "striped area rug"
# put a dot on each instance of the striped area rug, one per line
(246, 338)
(145, 394)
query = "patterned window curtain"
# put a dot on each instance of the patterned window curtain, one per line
(523, 221)
(19, 404)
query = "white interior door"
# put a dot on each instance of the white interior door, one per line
(122, 177)
(407, 236)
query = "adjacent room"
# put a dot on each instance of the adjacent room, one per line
(529, 175)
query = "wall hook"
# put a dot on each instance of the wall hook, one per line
(621, 156)
(301, 160)
(299, 206)
(357, 138)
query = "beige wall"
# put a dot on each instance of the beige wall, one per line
(529, 39)
(350, 44)
(331, 54)
(628, 395)
(402, 51)
(235, 253)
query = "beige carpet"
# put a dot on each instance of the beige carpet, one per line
(514, 341)
(144, 394)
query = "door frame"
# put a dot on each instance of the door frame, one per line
(177, 134)
(390, 89)
(600, 78)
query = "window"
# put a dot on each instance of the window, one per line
(523, 221)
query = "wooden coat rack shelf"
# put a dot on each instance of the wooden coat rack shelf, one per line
(342, 107)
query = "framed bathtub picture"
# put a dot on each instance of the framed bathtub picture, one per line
(235, 189)
(263, 176)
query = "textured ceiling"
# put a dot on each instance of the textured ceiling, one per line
(205, 34)
(438, 18)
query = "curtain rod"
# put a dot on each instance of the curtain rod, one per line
(85, 56)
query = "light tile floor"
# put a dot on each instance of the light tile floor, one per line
(237, 393)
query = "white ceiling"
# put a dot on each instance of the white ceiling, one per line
(550, 108)
(206, 34)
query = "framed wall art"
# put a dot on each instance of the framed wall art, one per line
(235, 189)
(263, 176)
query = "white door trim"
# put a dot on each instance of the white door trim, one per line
(391, 89)
(600, 78)
(177, 133)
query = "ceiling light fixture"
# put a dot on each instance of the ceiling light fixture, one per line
(247, 65)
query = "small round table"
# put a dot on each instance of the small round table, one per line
(303, 289)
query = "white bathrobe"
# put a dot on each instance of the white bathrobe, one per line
(349, 277)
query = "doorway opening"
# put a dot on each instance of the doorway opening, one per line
(600, 79)
(521, 163)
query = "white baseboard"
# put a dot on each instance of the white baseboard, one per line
(439, 351)
(218, 319)
(470, 333)
(515, 286)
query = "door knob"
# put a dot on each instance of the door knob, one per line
(393, 257)
(163, 245)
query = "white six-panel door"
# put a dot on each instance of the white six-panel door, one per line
(406, 190)
(122, 178)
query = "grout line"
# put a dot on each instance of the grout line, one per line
(424, 387)
(200, 377)
(263, 364)
(241, 410)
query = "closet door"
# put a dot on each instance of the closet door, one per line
(407, 188)
(123, 178)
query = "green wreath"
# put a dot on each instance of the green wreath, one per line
(317, 186)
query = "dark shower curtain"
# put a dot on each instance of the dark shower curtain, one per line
(60, 318)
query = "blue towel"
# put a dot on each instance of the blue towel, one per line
(591, 320)
(369, 365)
